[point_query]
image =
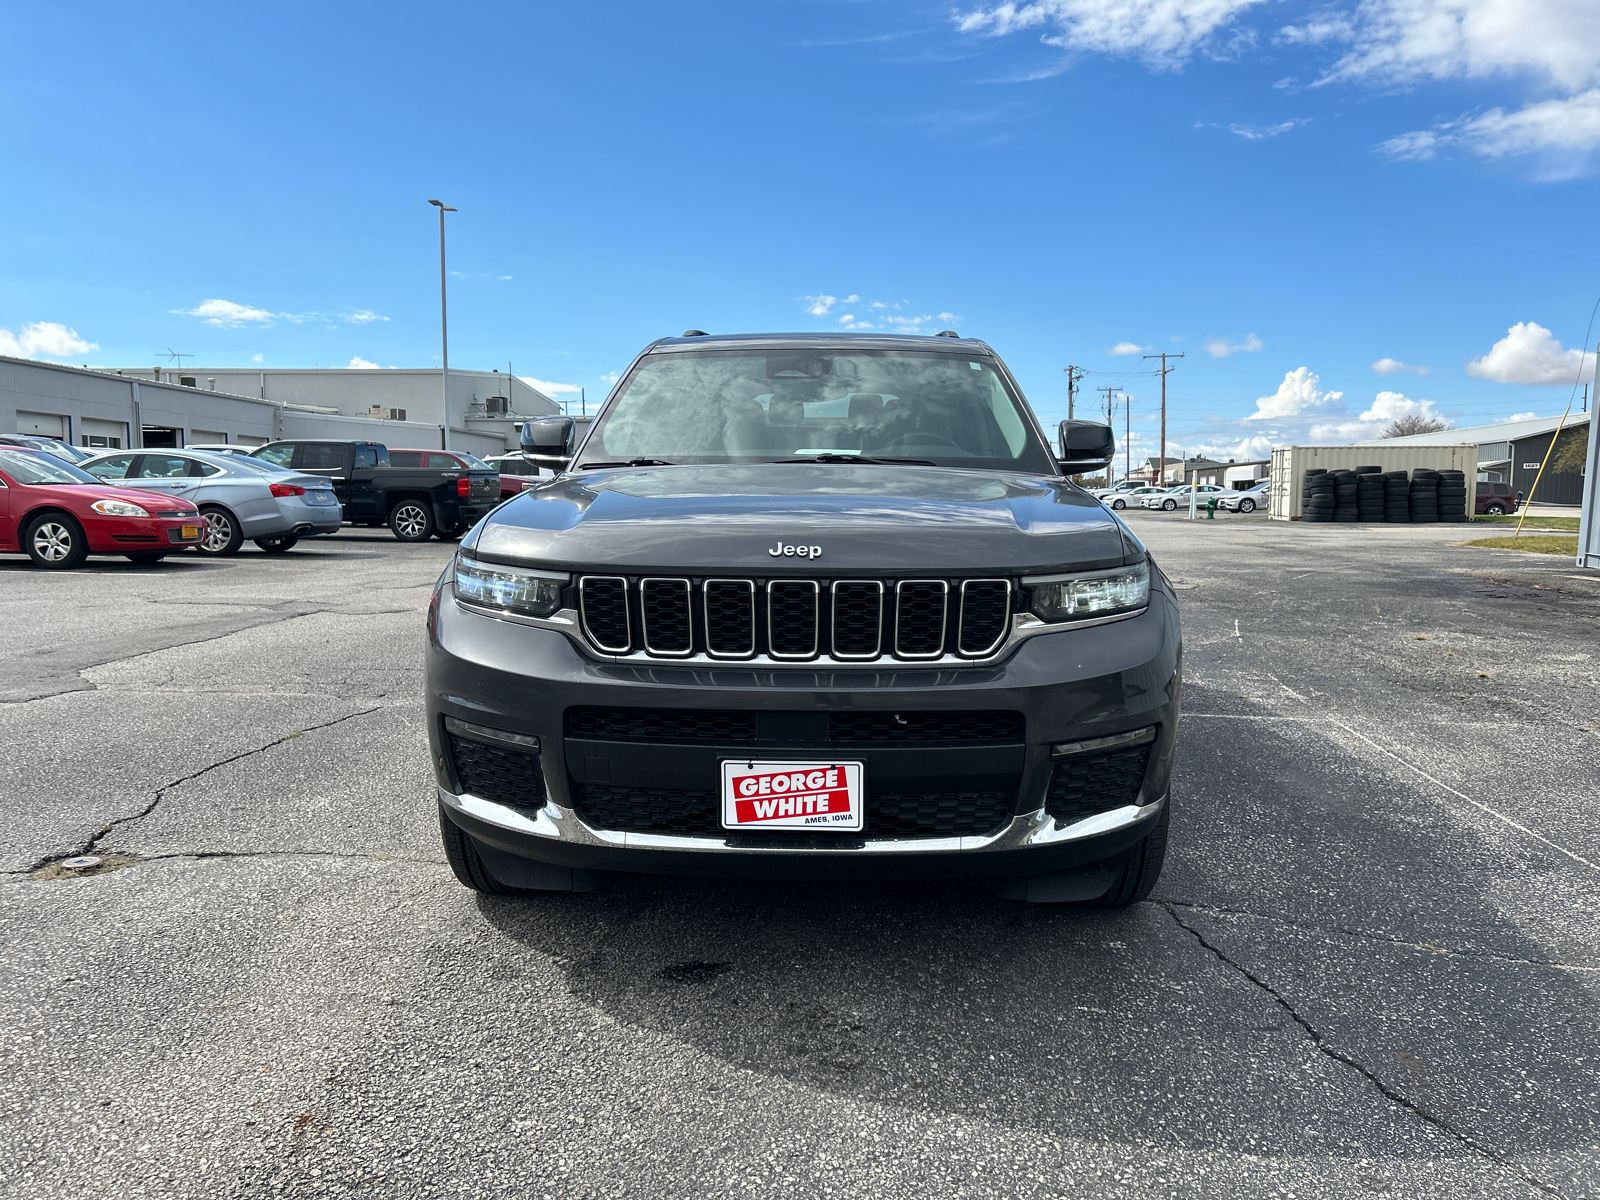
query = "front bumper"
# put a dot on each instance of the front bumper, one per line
(1067, 686)
(135, 535)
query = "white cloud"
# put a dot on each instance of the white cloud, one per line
(502, 278)
(1522, 416)
(1530, 354)
(255, 358)
(1299, 395)
(547, 388)
(44, 339)
(1325, 27)
(1387, 407)
(610, 377)
(1222, 348)
(360, 364)
(1257, 133)
(363, 316)
(1123, 349)
(1161, 32)
(820, 306)
(1393, 366)
(848, 320)
(1563, 130)
(225, 314)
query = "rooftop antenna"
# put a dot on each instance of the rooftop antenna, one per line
(174, 356)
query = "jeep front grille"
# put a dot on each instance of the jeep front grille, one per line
(795, 620)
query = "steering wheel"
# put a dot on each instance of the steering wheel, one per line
(923, 439)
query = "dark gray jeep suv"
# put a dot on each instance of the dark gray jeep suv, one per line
(807, 607)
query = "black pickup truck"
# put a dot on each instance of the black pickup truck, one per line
(415, 502)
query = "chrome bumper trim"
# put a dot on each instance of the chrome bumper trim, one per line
(1025, 832)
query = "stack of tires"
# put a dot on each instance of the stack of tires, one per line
(1318, 498)
(1424, 496)
(1346, 506)
(1369, 493)
(1452, 495)
(1396, 497)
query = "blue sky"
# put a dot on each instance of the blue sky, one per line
(1286, 192)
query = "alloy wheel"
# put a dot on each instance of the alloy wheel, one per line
(410, 521)
(219, 533)
(52, 541)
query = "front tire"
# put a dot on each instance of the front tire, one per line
(222, 534)
(1141, 867)
(1169, 505)
(461, 852)
(411, 521)
(55, 541)
(277, 545)
(1494, 510)
(1247, 506)
(1119, 504)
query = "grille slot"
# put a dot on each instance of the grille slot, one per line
(1086, 784)
(938, 814)
(786, 619)
(664, 615)
(496, 773)
(919, 617)
(792, 616)
(857, 618)
(985, 613)
(648, 810)
(730, 618)
(603, 605)
(663, 724)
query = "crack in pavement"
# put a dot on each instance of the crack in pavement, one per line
(1321, 1044)
(89, 846)
(1368, 935)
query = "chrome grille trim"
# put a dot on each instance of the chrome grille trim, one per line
(584, 583)
(816, 619)
(749, 588)
(688, 616)
(899, 622)
(961, 623)
(876, 587)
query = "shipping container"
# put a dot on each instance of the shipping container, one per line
(1589, 518)
(1290, 463)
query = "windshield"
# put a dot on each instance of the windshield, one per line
(763, 405)
(41, 468)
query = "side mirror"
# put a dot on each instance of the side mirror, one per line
(548, 441)
(1086, 446)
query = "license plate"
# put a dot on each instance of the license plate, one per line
(760, 794)
(189, 532)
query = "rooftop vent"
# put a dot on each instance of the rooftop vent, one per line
(947, 333)
(694, 333)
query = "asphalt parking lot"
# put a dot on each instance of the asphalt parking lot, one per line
(1372, 966)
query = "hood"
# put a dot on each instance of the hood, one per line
(88, 493)
(872, 519)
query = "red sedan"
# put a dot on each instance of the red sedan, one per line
(58, 515)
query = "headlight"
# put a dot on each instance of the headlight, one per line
(118, 508)
(515, 589)
(1097, 594)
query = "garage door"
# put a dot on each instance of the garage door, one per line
(42, 424)
(102, 435)
(206, 437)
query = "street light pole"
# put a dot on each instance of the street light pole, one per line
(444, 336)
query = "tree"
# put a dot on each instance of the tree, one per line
(1572, 451)
(1406, 426)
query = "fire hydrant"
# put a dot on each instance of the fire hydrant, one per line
(1211, 508)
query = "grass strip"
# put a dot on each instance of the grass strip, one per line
(1533, 543)
(1533, 522)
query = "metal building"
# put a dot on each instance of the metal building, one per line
(1511, 452)
(108, 410)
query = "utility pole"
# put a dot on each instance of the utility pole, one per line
(1127, 435)
(1111, 400)
(1073, 375)
(1161, 459)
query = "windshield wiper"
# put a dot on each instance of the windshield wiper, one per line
(632, 462)
(859, 458)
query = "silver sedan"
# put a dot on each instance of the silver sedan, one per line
(238, 497)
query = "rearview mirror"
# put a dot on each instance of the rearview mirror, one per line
(548, 441)
(1086, 446)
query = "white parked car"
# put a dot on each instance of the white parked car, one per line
(1112, 498)
(1174, 496)
(1246, 501)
